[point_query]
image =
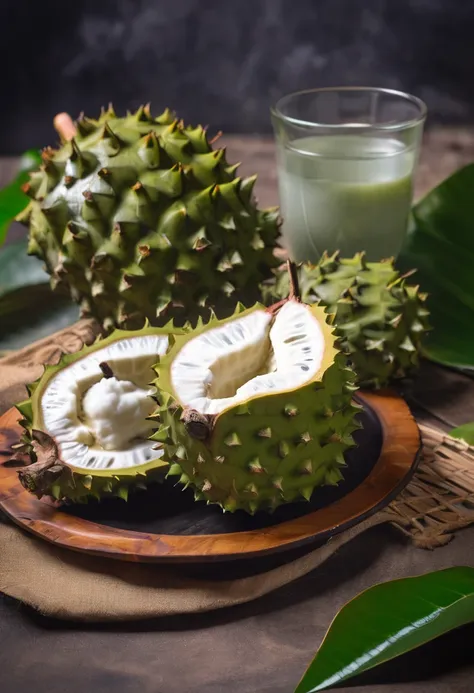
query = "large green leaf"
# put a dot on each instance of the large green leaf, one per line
(440, 244)
(12, 199)
(29, 310)
(46, 313)
(464, 432)
(18, 270)
(388, 620)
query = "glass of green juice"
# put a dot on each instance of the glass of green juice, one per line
(346, 158)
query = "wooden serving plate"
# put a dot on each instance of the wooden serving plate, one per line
(164, 524)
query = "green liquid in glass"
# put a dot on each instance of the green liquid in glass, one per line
(345, 192)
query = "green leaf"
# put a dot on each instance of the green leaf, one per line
(440, 245)
(17, 270)
(464, 432)
(12, 199)
(44, 314)
(388, 620)
(29, 310)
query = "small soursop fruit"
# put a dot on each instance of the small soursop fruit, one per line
(256, 410)
(139, 217)
(379, 318)
(86, 421)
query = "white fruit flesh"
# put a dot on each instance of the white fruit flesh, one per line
(252, 355)
(100, 423)
(116, 412)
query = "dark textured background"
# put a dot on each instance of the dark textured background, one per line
(221, 62)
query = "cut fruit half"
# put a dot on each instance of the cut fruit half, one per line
(253, 355)
(87, 425)
(380, 318)
(257, 410)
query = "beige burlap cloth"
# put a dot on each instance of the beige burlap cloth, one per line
(69, 585)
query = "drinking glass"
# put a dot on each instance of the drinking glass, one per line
(346, 158)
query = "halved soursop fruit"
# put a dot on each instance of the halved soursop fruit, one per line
(139, 217)
(380, 319)
(257, 410)
(86, 421)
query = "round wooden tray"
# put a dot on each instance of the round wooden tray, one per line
(164, 524)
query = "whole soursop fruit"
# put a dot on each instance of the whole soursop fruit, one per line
(257, 410)
(380, 319)
(86, 421)
(139, 217)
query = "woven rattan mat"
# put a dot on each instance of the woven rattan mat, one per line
(440, 498)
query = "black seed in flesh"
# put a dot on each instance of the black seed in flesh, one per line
(106, 370)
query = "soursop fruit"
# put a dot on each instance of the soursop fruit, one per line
(257, 410)
(380, 319)
(139, 217)
(86, 424)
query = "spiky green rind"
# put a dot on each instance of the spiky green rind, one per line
(75, 486)
(139, 217)
(271, 450)
(80, 485)
(380, 319)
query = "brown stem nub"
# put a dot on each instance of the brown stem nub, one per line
(294, 283)
(64, 125)
(198, 425)
(41, 475)
(106, 370)
(216, 137)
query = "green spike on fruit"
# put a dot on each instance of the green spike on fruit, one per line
(232, 440)
(380, 319)
(305, 437)
(306, 467)
(268, 360)
(171, 193)
(278, 484)
(255, 467)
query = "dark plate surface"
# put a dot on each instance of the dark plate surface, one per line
(165, 524)
(167, 509)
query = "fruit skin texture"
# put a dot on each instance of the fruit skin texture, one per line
(274, 448)
(62, 481)
(139, 217)
(379, 318)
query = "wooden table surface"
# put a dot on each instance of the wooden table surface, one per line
(264, 646)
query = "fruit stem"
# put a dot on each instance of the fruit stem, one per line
(294, 283)
(106, 370)
(216, 137)
(39, 476)
(65, 127)
(198, 425)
